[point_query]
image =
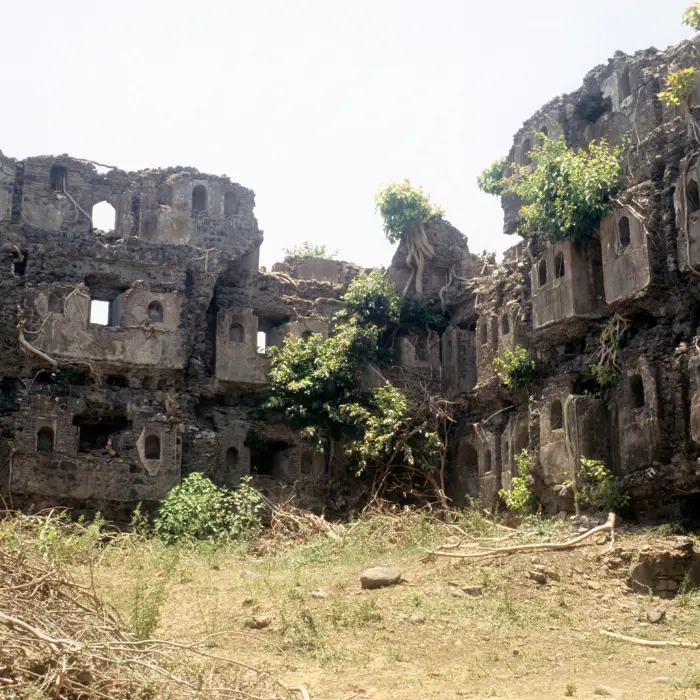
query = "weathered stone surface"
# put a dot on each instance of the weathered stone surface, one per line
(379, 577)
(607, 691)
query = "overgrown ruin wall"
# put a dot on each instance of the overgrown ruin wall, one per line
(163, 382)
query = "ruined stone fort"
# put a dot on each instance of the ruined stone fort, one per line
(130, 358)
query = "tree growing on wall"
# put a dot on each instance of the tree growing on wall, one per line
(318, 385)
(566, 192)
(691, 17)
(405, 210)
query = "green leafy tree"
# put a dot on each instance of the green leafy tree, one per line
(197, 509)
(405, 210)
(517, 367)
(691, 17)
(307, 249)
(492, 178)
(317, 385)
(567, 192)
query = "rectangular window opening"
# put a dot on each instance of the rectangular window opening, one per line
(100, 312)
(262, 342)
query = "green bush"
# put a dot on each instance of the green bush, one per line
(307, 249)
(517, 368)
(402, 205)
(491, 179)
(680, 86)
(597, 487)
(372, 298)
(567, 192)
(521, 498)
(197, 509)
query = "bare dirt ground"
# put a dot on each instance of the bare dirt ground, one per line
(299, 612)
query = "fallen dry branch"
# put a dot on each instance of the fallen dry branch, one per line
(608, 526)
(649, 642)
(58, 640)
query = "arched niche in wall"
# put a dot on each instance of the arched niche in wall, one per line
(199, 198)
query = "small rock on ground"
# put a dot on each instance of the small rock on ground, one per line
(379, 577)
(661, 680)
(538, 577)
(473, 591)
(258, 623)
(607, 692)
(418, 618)
(319, 593)
(656, 614)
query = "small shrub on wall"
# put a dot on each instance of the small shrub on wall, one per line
(517, 368)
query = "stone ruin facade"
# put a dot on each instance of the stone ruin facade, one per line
(156, 325)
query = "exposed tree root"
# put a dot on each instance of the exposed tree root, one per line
(609, 525)
(649, 642)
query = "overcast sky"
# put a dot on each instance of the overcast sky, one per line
(311, 103)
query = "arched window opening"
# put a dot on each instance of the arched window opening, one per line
(525, 152)
(307, 464)
(155, 312)
(104, 217)
(230, 204)
(505, 325)
(487, 461)
(58, 178)
(544, 131)
(262, 342)
(152, 447)
(556, 416)
(306, 335)
(199, 198)
(623, 231)
(624, 85)
(236, 333)
(693, 197)
(637, 391)
(484, 333)
(542, 272)
(559, 267)
(44, 439)
(231, 458)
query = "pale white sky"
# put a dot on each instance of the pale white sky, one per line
(311, 103)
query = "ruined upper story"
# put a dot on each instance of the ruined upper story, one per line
(57, 194)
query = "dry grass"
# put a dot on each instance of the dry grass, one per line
(517, 640)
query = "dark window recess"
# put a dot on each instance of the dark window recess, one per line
(559, 267)
(624, 85)
(542, 272)
(152, 447)
(544, 131)
(693, 196)
(556, 416)
(58, 178)
(55, 303)
(307, 463)
(230, 204)
(422, 349)
(236, 334)
(487, 461)
(155, 312)
(448, 350)
(505, 325)
(623, 231)
(231, 458)
(199, 198)
(306, 335)
(19, 263)
(484, 333)
(96, 432)
(44, 439)
(637, 391)
(266, 455)
(165, 195)
(525, 152)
